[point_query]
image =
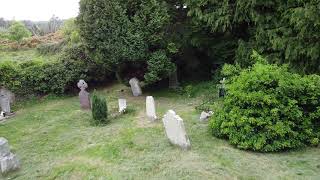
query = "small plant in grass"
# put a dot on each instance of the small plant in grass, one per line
(99, 109)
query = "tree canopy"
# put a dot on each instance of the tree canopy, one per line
(284, 31)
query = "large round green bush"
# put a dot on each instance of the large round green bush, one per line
(268, 108)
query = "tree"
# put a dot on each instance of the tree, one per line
(18, 31)
(285, 32)
(127, 36)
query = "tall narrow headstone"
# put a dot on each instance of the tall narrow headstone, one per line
(135, 87)
(175, 130)
(8, 161)
(122, 105)
(4, 91)
(151, 108)
(5, 104)
(4, 147)
(173, 80)
(84, 95)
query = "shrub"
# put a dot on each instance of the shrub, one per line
(99, 109)
(50, 48)
(269, 109)
(58, 76)
(18, 31)
(10, 75)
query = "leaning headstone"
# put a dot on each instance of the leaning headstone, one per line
(175, 130)
(205, 116)
(122, 105)
(135, 87)
(151, 108)
(8, 161)
(173, 80)
(5, 104)
(84, 95)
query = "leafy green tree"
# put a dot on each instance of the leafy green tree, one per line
(18, 31)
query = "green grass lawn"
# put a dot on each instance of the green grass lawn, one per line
(54, 140)
(24, 55)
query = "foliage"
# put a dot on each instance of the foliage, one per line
(127, 32)
(268, 108)
(99, 109)
(50, 48)
(17, 31)
(56, 76)
(285, 32)
(70, 31)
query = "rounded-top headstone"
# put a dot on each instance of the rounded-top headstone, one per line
(135, 87)
(151, 108)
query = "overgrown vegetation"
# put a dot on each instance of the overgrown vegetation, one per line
(268, 108)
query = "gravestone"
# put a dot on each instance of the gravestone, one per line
(122, 105)
(5, 104)
(4, 147)
(135, 87)
(222, 88)
(151, 108)
(7, 93)
(8, 161)
(173, 80)
(175, 130)
(84, 95)
(205, 116)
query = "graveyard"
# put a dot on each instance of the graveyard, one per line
(159, 89)
(54, 140)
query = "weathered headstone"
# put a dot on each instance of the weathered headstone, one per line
(175, 130)
(5, 104)
(135, 87)
(122, 105)
(8, 161)
(222, 87)
(205, 116)
(4, 147)
(84, 95)
(173, 80)
(151, 108)
(7, 93)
